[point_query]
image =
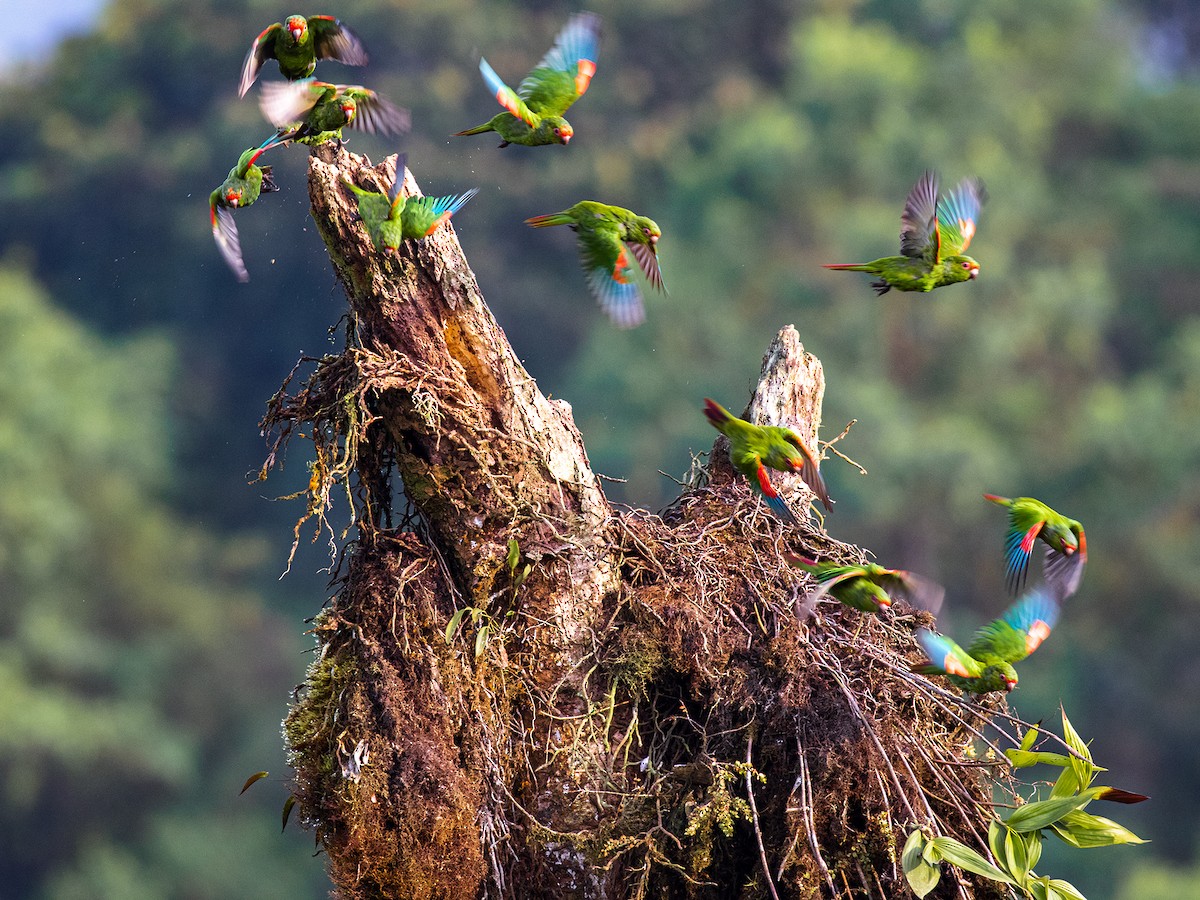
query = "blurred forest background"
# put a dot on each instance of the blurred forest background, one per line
(148, 647)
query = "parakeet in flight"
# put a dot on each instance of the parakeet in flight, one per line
(987, 664)
(392, 218)
(312, 112)
(754, 448)
(297, 43)
(868, 587)
(934, 234)
(534, 111)
(240, 188)
(607, 236)
(1066, 544)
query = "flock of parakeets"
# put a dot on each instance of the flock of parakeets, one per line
(936, 230)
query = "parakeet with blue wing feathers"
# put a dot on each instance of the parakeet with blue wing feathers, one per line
(934, 235)
(533, 113)
(392, 218)
(987, 664)
(241, 187)
(1031, 520)
(607, 236)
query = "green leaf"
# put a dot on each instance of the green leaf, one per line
(520, 579)
(1029, 737)
(481, 639)
(1015, 858)
(514, 555)
(1041, 813)
(455, 621)
(1033, 848)
(922, 877)
(1065, 889)
(964, 857)
(1023, 758)
(996, 834)
(1067, 784)
(257, 776)
(1081, 829)
(1083, 768)
(288, 805)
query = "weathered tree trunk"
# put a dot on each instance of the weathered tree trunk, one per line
(521, 693)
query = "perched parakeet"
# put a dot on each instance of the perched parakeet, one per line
(312, 112)
(1066, 544)
(240, 188)
(868, 587)
(297, 43)
(533, 112)
(392, 218)
(754, 448)
(607, 235)
(987, 664)
(934, 234)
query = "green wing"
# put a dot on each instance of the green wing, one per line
(946, 657)
(918, 235)
(1019, 631)
(606, 266)
(333, 40)
(565, 72)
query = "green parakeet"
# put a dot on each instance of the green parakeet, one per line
(754, 448)
(392, 218)
(607, 235)
(297, 43)
(534, 111)
(868, 587)
(240, 188)
(987, 664)
(934, 234)
(312, 112)
(1066, 545)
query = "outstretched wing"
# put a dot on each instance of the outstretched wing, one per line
(333, 40)
(647, 259)
(605, 261)
(945, 657)
(809, 471)
(376, 114)
(262, 49)
(920, 592)
(1025, 524)
(957, 215)
(287, 102)
(506, 96)
(1063, 573)
(425, 215)
(1020, 630)
(564, 73)
(833, 577)
(917, 231)
(225, 233)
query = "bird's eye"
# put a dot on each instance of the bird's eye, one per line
(966, 265)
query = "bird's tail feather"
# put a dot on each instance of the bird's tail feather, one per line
(546, 221)
(848, 267)
(478, 129)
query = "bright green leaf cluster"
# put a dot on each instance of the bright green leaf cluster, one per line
(1015, 843)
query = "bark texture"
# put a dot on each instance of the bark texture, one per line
(520, 693)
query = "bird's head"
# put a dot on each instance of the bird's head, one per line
(649, 230)
(1062, 539)
(349, 108)
(560, 129)
(960, 268)
(1000, 677)
(296, 26)
(233, 197)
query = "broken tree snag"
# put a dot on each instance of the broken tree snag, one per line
(484, 456)
(521, 693)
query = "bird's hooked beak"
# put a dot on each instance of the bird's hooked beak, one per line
(1068, 549)
(974, 272)
(653, 240)
(232, 199)
(885, 601)
(1009, 684)
(297, 30)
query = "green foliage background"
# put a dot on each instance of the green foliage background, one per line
(147, 648)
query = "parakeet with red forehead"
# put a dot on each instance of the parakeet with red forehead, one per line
(934, 235)
(868, 587)
(392, 218)
(533, 113)
(297, 43)
(312, 112)
(240, 188)
(607, 236)
(1031, 520)
(987, 664)
(755, 448)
